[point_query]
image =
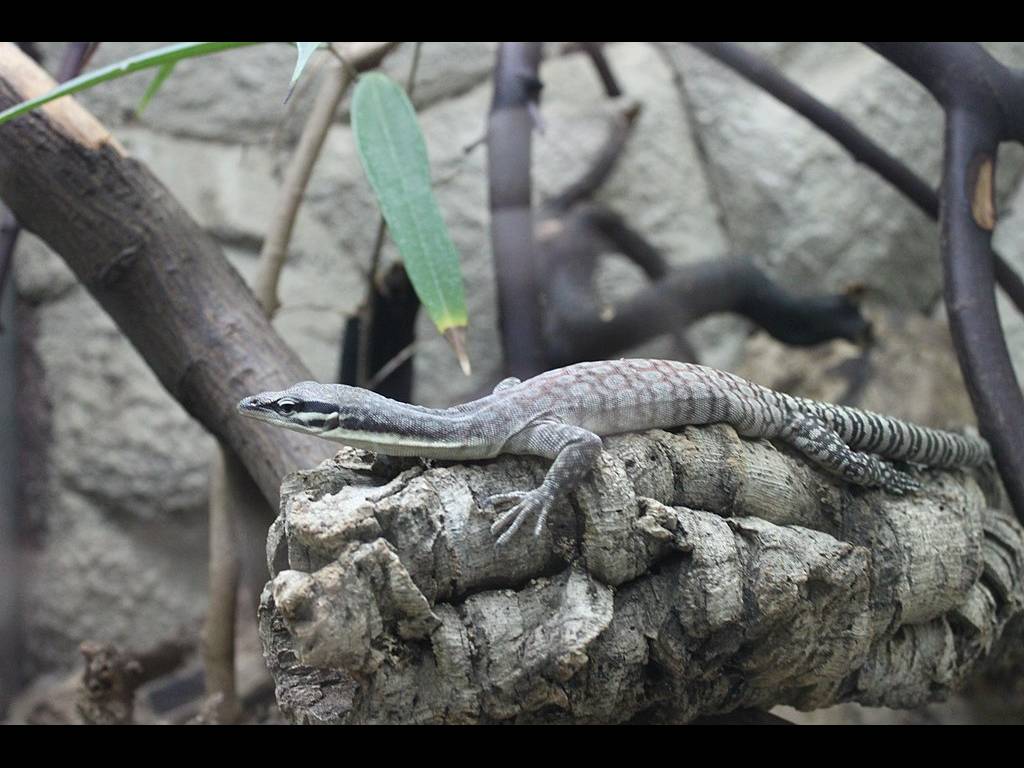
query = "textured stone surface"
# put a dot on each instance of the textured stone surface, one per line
(713, 168)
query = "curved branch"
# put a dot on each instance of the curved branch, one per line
(965, 74)
(984, 105)
(967, 194)
(861, 147)
(601, 166)
(76, 56)
(694, 574)
(688, 294)
(578, 328)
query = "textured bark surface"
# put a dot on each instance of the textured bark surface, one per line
(694, 574)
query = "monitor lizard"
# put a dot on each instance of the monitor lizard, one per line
(562, 414)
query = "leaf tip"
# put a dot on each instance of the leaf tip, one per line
(457, 338)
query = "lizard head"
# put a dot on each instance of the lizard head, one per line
(307, 407)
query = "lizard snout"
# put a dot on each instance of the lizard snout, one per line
(247, 405)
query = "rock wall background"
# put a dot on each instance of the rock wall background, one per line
(118, 472)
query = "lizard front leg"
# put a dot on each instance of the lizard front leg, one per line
(574, 451)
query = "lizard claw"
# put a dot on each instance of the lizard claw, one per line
(900, 483)
(526, 505)
(500, 499)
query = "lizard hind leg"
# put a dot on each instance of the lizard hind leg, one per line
(823, 445)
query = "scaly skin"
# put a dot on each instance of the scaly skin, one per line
(562, 414)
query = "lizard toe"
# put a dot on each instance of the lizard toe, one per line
(501, 499)
(512, 520)
(900, 484)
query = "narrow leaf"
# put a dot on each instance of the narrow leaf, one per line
(162, 74)
(150, 60)
(394, 156)
(306, 51)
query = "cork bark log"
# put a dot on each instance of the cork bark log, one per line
(693, 574)
(163, 280)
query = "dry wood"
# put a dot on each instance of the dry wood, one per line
(695, 574)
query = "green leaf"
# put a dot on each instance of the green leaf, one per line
(394, 156)
(306, 51)
(158, 58)
(162, 74)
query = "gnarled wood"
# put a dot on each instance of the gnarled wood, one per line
(694, 574)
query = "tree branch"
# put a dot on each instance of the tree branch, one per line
(337, 79)
(984, 105)
(517, 89)
(968, 192)
(579, 329)
(76, 56)
(162, 279)
(602, 166)
(861, 147)
(694, 574)
(595, 51)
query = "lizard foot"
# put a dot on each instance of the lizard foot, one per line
(899, 483)
(525, 505)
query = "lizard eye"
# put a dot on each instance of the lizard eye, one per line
(287, 406)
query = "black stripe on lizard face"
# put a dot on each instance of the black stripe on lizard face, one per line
(313, 406)
(363, 422)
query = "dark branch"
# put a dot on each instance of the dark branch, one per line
(626, 240)
(601, 167)
(517, 89)
(861, 147)
(572, 236)
(967, 75)
(76, 56)
(580, 330)
(973, 316)
(984, 105)
(611, 85)
(858, 144)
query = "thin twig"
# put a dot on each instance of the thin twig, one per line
(604, 69)
(9, 232)
(275, 247)
(391, 366)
